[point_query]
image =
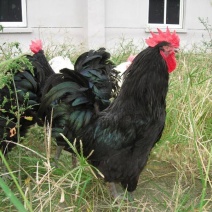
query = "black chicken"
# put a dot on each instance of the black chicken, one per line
(20, 97)
(121, 136)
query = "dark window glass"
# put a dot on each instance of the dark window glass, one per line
(156, 11)
(10, 11)
(173, 12)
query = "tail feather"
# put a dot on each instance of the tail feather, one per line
(25, 81)
(94, 60)
(31, 80)
(69, 89)
(76, 95)
(74, 76)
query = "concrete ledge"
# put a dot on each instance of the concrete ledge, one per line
(16, 31)
(183, 31)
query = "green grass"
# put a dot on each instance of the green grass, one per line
(178, 176)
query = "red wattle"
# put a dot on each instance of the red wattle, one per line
(170, 61)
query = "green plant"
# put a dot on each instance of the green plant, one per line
(1, 28)
(65, 50)
(9, 50)
(123, 50)
(208, 28)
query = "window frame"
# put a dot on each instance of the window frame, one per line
(22, 23)
(171, 26)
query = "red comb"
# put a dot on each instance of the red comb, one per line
(167, 36)
(36, 46)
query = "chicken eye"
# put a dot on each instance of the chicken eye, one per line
(166, 48)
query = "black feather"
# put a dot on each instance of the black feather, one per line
(76, 96)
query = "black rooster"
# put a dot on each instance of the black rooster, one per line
(20, 97)
(121, 136)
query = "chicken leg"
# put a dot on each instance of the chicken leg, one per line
(57, 154)
(113, 191)
(119, 197)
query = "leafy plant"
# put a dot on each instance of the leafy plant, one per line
(1, 28)
(9, 50)
(123, 50)
(208, 28)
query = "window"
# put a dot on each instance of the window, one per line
(13, 13)
(166, 13)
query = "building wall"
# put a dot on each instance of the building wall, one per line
(52, 22)
(129, 21)
(95, 23)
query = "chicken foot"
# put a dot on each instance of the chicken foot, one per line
(113, 191)
(119, 197)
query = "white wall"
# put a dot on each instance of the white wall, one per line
(55, 13)
(95, 23)
(195, 30)
(54, 21)
(128, 19)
